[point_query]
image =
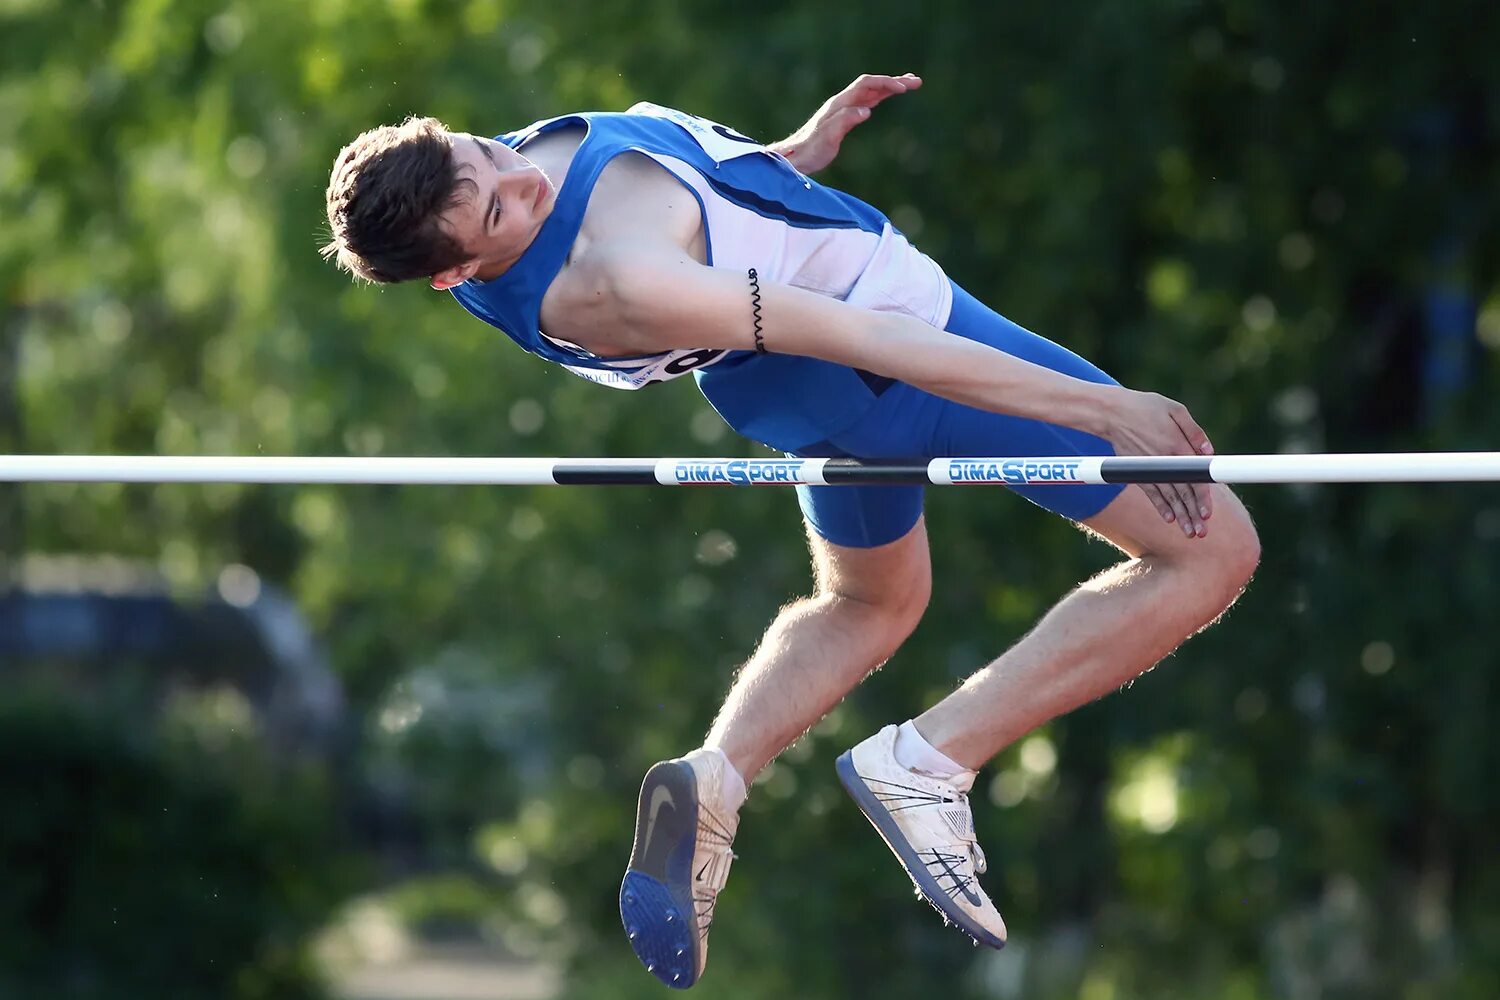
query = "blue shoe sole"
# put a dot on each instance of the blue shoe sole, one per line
(880, 818)
(656, 897)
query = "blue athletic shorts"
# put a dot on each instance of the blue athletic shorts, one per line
(909, 423)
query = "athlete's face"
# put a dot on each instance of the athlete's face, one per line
(498, 213)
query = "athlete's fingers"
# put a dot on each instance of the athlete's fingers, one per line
(878, 82)
(870, 89)
(1182, 517)
(1189, 500)
(1204, 494)
(1197, 439)
(1165, 505)
(1180, 496)
(1169, 504)
(1154, 494)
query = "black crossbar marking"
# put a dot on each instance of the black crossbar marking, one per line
(1156, 470)
(588, 474)
(853, 472)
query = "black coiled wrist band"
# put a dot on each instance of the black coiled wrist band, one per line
(760, 339)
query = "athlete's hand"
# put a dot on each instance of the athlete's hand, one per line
(1147, 423)
(813, 146)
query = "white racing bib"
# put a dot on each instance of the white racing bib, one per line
(644, 372)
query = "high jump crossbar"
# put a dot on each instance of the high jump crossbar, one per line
(1028, 471)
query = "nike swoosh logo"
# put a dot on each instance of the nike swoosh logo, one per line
(661, 798)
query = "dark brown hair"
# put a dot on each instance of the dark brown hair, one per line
(385, 195)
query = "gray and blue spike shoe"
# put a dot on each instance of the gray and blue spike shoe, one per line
(678, 865)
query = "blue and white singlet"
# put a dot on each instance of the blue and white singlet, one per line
(759, 212)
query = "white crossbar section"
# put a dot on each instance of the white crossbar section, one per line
(1432, 467)
(223, 469)
(1059, 471)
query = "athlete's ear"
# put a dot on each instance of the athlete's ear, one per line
(456, 275)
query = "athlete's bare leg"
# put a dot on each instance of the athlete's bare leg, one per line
(1107, 631)
(866, 602)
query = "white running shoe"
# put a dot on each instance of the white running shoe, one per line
(927, 823)
(678, 865)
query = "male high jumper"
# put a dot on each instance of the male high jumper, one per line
(635, 247)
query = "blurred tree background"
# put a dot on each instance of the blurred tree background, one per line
(1286, 215)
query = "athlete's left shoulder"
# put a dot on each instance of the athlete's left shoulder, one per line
(716, 139)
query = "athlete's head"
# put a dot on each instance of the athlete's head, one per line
(417, 201)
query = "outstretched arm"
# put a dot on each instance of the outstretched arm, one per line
(813, 146)
(624, 299)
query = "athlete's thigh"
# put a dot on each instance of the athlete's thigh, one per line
(895, 574)
(968, 432)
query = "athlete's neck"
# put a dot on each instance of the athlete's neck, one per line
(553, 155)
(492, 269)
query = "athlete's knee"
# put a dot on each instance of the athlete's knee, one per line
(891, 604)
(1231, 552)
(886, 589)
(1247, 551)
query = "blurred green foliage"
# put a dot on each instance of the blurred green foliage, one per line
(1259, 208)
(147, 861)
